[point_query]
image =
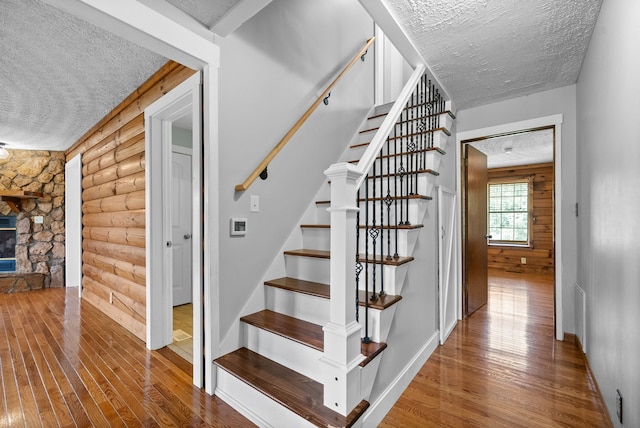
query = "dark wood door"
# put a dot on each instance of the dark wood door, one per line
(475, 274)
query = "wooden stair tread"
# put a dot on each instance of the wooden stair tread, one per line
(324, 254)
(295, 329)
(323, 291)
(422, 197)
(386, 226)
(303, 332)
(300, 286)
(298, 393)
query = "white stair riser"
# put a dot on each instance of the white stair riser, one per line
(421, 160)
(414, 212)
(378, 187)
(308, 268)
(440, 139)
(256, 406)
(379, 322)
(298, 305)
(394, 277)
(320, 239)
(291, 354)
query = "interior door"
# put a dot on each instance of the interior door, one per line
(181, 230)
(475, 290)
(447, 278)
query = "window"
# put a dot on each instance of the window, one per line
(509, 204)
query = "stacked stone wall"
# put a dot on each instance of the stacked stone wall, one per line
(40, 248)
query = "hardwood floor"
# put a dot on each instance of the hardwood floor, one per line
(64, 363)
(183, 323)
(501, 367)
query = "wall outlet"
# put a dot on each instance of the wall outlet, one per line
(619, 405)
(38, 219)
(523, 260)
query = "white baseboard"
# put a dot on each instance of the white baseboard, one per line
(379, 409)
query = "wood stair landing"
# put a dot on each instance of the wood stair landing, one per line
(298, 393)
(303, 332)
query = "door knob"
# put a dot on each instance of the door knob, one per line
(187, 236)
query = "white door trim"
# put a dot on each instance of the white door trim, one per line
(73, 223)
(446, 230)
(183, 99)
(554, 120)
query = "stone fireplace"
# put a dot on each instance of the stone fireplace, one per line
(38, 226)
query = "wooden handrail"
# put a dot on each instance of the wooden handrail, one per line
(274, 152)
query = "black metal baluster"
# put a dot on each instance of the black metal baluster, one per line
(358, 263)
(401, 171)
(373, 232)
(395, 185)
(389, 200)
(366, 338)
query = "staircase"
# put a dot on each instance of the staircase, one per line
(280, 376)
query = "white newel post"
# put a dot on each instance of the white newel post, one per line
(342, 333)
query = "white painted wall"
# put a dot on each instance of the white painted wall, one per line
(608, 109)
(547, 103)
(272, 68)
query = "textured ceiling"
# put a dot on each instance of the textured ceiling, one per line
(528, 148)
(59, 75)
(206, 11)
(485, 51)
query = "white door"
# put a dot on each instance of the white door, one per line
(448, 266)
(181, 231)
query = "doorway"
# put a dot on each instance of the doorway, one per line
(174, 219)
(499, 136)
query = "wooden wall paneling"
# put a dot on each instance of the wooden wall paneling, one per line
(133, 218)
(126, 236)
(126, 289)
(540, 256)
(125, 202)
(120, 186)
(127, 149)
(126, 270)
(125, 253)
(114, 189)
(93, 293)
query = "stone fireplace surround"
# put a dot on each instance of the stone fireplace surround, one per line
(40, 248)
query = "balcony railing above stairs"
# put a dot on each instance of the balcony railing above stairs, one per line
(261, 169)
(370, 202)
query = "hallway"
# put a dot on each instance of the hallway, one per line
(501, 367)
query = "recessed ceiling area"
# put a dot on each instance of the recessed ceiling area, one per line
(526, 148)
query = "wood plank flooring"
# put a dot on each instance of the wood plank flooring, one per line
(183, 320)
(502, 367)
(63, 363)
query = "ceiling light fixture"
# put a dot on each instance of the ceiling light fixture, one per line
(3, 152)
(508, 149)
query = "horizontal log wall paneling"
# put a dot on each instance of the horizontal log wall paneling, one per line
(540, 257)
(113, 203)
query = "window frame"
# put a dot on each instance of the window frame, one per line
(512, 180)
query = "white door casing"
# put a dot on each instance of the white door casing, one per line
(181, 218)
(73, 223)
(183, 100)
(447, 252)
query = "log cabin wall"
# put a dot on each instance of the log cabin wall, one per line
(113, 203)
(540, 256)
